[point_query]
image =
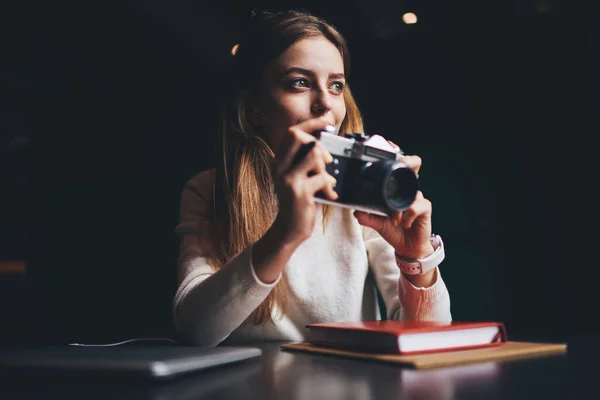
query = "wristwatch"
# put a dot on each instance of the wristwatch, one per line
(419, 266)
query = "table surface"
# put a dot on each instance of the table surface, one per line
(280, 374)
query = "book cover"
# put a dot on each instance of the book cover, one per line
(407, 337)
(508, 351)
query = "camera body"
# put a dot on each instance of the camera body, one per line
(370, 174)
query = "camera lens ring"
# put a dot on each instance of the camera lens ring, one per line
(400, 187)
(387, 186)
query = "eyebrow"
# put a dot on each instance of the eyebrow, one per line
(308, 72)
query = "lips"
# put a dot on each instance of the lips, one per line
(325, 120)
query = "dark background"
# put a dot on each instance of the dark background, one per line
(107, 108)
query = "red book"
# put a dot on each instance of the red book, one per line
(407, 337)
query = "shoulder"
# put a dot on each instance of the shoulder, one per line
(196, 201)
(200, 186)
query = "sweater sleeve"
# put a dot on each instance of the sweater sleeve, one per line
(209, 304)
(403, 300)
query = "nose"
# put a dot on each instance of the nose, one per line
(321, 103)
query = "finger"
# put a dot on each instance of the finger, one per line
(311, 125)
(420, 207)
(307, 128)
(314, 147)
(414, 162)
(323, 182)
(288, 150)
(297, 136)
(370, 220)
(302, 153)
(326, 154)
(394, 145)
(396, 218)
(308, 161)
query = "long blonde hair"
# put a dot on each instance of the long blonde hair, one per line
(245, 203)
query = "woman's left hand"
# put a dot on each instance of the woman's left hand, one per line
(407, 231)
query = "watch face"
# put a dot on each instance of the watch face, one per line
(435, 241)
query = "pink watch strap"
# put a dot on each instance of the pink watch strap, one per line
(414, 266)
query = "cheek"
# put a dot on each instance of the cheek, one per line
(294, 108)
(287, 111)
(339, 113)
(280, 113)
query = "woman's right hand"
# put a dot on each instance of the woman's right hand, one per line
(297, 179)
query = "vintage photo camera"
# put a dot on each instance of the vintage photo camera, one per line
(370, 174)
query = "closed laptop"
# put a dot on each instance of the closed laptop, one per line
(121, 362)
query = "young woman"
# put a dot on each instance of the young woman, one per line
(259, 257)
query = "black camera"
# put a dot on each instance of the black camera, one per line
(370, 174)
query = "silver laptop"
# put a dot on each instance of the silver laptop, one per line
(135, 362)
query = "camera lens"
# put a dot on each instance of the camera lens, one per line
(391, 187)
(400, 187)
(387, 186)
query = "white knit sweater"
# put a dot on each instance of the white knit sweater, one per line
(331, 277)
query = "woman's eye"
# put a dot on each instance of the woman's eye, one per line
(337, 86)
(300, 82)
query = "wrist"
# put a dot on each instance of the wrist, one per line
(283, 235)
(269, 255)
(425, 280)
(421, 265)
(415, 254)
(278, 243)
